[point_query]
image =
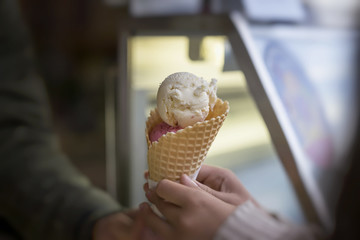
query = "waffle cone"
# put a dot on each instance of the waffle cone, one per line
(182, 152)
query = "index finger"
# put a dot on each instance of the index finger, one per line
(174, 192)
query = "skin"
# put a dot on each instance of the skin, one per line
(194, 209)
(223, 184)
(124, 226)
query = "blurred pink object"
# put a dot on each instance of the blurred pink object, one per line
(161, 129)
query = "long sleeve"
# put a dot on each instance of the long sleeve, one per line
(250, 222)
(41, 195)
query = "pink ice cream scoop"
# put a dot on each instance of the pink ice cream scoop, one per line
(161, 129)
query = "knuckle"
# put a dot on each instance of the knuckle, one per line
(193, 199)
(227, 172)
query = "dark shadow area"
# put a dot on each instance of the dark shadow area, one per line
(75, 43)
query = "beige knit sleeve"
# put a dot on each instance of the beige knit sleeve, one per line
(251, 222)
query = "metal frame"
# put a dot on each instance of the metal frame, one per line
(277, 122)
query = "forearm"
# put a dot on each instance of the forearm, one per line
(251, 222)
(41, 195)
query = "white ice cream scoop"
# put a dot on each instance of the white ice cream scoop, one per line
(184, 99)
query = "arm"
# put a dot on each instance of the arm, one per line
(250, 222)
(41, 195)
(247, 220)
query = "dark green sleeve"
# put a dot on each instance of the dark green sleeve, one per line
(41, 195)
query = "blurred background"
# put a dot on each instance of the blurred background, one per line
(75, 44)
(77, 47)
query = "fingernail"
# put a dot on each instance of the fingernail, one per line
(146, 174)
(143, 206)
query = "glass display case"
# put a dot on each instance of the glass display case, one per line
(260, 139)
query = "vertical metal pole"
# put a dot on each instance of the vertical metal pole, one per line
(138, 147)
(122, 98)
(110, 133)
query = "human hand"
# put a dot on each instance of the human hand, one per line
(123, 225)
(223, 184)
(191, 213)
(219, 182)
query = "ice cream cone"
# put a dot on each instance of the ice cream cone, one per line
(182, 152)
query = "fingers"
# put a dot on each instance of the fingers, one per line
(146, 187)
(155, 223)
(229, 197)
(219, 179)
(146, 174)
(132, 213)
(220, 195)
(211, 176)
(174, 192)
(168, 209)
(151, 195)
(205, 188)
(187, 181)
(205, 172)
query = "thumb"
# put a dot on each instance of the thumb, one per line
(187, 181)
(220, 195)
(209, 190)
